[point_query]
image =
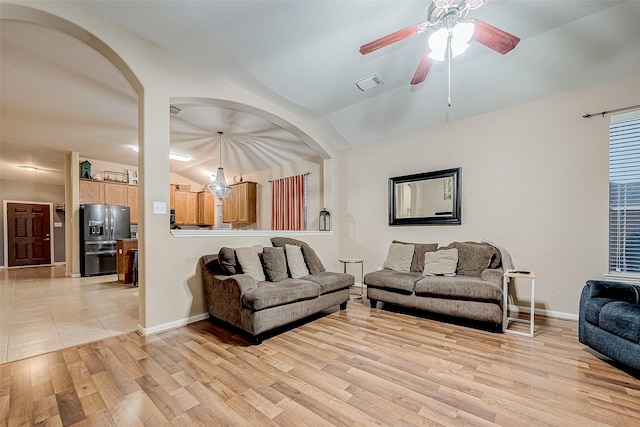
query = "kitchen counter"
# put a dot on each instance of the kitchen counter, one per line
(123, 246)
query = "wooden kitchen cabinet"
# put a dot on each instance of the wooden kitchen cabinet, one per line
(132, 202)
(91, 191)
(206, 208)
(186, 206)
(115, 194)
(240, 205)
(172, 196)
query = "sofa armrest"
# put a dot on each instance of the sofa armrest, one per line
(493, 275)
(613, 290)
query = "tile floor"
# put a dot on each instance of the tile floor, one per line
(41, 310)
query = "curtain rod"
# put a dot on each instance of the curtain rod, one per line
(617, 110)
(305, 174)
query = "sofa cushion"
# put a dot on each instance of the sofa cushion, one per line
(295, 261)
(228, 261)
(310, 257)
(473, 258)
(496, 259)
(459, 287)
(399, 257)
(275, 264)
(269, 294)
(390, 279)
(417, 261)
(331, 282)
(441, 263)
(621, 319)
(250, 262)
(593, 307)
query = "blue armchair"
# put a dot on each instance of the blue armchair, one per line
(609, 320)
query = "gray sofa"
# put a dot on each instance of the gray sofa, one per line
(609, 320)
(474, 293)
(258, 307)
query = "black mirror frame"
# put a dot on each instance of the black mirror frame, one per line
(455, 219)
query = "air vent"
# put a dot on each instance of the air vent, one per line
(369, 82)
(174, 110)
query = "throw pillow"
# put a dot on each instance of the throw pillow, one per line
(311, 258)
(441, 263)
(297, 266)
(496, 260)
(250, 262)
(505, 256)
(227, 260)
(399, 257)
(275, 264)
(473, 259)
(314, 265)
(417, 262)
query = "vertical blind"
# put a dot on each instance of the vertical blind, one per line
(624, 193)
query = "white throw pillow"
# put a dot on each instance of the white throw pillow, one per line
(441, 263)
(295, 260)
(250, 262)
(399, 257)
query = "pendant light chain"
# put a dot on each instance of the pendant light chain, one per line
(449, 67)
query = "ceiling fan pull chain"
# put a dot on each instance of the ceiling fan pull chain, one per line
(449, 67)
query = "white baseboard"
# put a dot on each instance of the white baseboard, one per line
(170, 325)
(543, 312)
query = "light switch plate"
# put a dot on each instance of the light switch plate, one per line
(160, 208)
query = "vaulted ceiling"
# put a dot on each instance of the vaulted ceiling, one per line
(57, 95)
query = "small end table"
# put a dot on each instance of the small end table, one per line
(360, 261)
(517, 274)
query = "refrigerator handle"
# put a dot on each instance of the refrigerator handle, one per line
(113, 225)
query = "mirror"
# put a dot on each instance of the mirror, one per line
(426, 198)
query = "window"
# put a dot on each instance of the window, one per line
(624, 193)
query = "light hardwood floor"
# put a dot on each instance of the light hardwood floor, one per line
(42, 310)
(356, 367)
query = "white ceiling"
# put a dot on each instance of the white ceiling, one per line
(57, 94)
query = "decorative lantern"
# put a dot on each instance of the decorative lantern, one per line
(85, 170)
(325, 220)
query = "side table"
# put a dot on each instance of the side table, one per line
(360, 261)
(517, 274)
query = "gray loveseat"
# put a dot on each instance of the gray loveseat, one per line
(258, 307)
(609, 320)
(475, 292)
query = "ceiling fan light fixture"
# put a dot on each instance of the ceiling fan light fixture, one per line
(460, 36)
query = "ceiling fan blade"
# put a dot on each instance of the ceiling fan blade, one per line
(494, 38)
(423, 68)
(392, 38)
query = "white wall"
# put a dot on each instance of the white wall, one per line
(534, 180)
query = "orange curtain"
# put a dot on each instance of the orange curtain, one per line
(288, 203)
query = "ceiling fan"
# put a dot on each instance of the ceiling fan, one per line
(451, 34)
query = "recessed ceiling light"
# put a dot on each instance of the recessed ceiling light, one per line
(135, 148)
(369, 82)
(29, 168)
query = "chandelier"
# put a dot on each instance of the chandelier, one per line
(219, 188)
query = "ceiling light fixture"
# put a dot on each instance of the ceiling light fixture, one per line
(219, 188)
(172, 156)
(453, 35)
(179, 157)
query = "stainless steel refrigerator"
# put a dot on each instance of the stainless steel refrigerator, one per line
(100, 227)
